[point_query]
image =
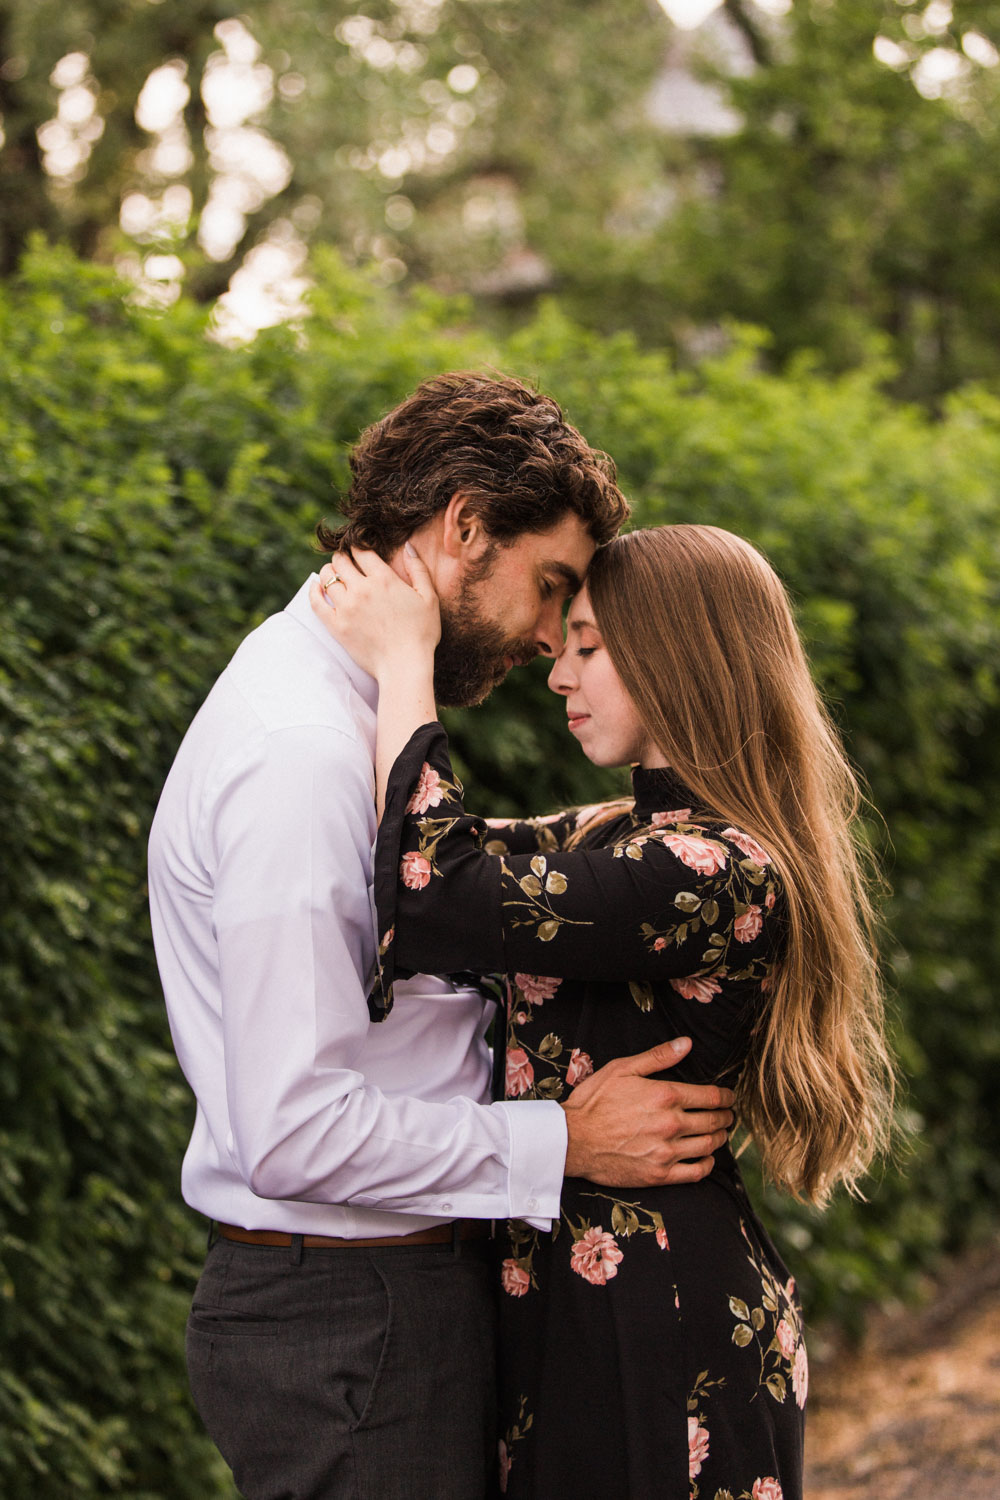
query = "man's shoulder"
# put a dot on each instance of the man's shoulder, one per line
(286, 680)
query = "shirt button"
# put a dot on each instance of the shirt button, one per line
(446, 1208)
(532, 1204)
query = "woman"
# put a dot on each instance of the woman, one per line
(652, 1343)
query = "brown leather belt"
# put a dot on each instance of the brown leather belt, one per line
(440, 1234)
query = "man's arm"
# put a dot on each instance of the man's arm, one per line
(291, 835)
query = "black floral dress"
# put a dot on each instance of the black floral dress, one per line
(651, 1344)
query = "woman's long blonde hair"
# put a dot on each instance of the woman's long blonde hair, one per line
(700, 630)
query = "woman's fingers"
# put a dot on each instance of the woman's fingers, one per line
(418, 573)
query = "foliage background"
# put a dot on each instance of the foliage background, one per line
(158, 490)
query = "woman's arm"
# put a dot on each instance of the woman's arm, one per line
(685, 905)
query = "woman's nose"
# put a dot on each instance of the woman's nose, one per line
(561, 679)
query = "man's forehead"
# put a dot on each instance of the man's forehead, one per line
(565, 551)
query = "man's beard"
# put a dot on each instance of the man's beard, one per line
(473, 652)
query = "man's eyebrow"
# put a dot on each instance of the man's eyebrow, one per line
(569, 575)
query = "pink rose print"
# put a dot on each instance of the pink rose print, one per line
(698, 854)
(750, 846)
(766, 1489)
(520, 1073)
(514, 1279)
(536, 987)
(800, 1376)
(427, 792)
(697, 1447)
(415, 871)
(790, 1288)
(659, 945)
(661, 1238)
(696, 988)
(769, 900)
(586, 815)
(747, 927)
(505, 1463)
(596, 1256)
(679, 815)
(580, 1067)
(786, 1337)
(520, 1018)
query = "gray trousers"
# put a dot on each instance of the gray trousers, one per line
(348, 1374)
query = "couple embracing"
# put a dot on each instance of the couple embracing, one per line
(416, 1266)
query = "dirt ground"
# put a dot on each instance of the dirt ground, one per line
(914, 1414)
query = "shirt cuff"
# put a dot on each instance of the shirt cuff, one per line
(538, 1144)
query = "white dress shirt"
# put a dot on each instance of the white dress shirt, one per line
(310, 1118)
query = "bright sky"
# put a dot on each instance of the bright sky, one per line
(691, 13)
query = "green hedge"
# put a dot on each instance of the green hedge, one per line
(158, 496)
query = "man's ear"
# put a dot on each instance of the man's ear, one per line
(463, 536)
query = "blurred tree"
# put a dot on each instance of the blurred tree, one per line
(857, 194)
(70, 80)
(434, 137)
(838, 183)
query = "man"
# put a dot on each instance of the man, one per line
(340, 1341)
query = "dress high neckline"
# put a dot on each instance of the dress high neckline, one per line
(659, 789)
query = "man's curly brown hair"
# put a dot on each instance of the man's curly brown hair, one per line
(504, 446)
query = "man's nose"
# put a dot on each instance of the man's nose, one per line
(548, 629)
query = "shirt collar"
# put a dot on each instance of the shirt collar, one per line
(659, 789)
(301, 610)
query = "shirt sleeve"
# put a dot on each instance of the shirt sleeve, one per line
(291, 834)
(688, 903)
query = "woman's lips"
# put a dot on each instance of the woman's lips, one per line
(575, 720)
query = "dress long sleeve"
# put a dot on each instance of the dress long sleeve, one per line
(675, 900)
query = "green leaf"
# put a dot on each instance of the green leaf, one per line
(687, 901)
(742, 1335)
(555, 883)
(547, 930)
(739, 1308)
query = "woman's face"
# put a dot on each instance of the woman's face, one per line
(601, 714)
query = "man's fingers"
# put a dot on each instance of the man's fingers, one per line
(664, 1055)
(687, 1171)
(705, 1121)
(690, 1147)
(699, 1096)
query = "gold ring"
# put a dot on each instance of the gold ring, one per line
(331, 581)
